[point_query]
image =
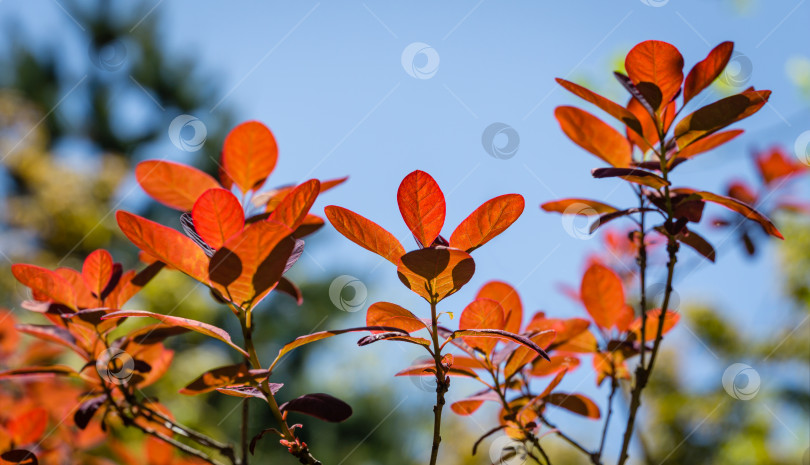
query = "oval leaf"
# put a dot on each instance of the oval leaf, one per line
(705, 72)
(392, 315)
(173, 184)
(602, 293)
(365, 233)
(249, 155)
(613, 109)
(293, 209)
(658, 63)
(97, 271)
(217, 216)
(487, 221)
(421, 203)
(46, 284)
(482, 313)
(594, 135)
(576, 403)
(319, 405)
(509, 299)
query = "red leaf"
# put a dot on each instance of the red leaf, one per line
(421, 203)
(487, 221)
(294, 208)
(557, 364)
(613, 109)
(229, 375)
(365, 233)
(594, 135)
(435, 273)
(708, 143)
(576, 403)
(249, 155)
(776, 164)
(193, 325)
(717, 115)
(217, 216)
(97, 271)
(744, 210)
(172, 184)
(653, 319)
(251, 263)
(509, 299)
(45, 283)
(165, 244)
(524, 355)
(585, 207)
(392, 315)
(602, 293)
(482, 314)
(705, 72)
(469, 405)
(657, 63)
(28, 427)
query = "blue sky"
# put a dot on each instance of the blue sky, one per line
(328, 79)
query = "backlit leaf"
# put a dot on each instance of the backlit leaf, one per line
(585, 207)
(97, 271)
(392, 315)
(576, 403)
(482, 314)
(249, 155)
(165, 244)
(503, 335)
(487, 221)
(524, 355)
(602, 294)
(653, 320)
(251, 263)
(193, 325)
(708, 143)
(744, 210)
(295, 206)
(28, 427)
(173, 184)
(508, 298)
(613, 109)
(217, 216)
(421, 203)
(435, 273)
(223, 376)
(636, 176)
(365, 233)
(594, 135)
(658, 63)
(469, 405)
(706, 71)
(717, 115)
(45, 283)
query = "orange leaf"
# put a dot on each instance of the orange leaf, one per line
(309, 225)
(508, 298)
(173, 184)
(610, 107)
(487, 221)
(576, 403)
(572, 333)
(45, 283)
(249, 155)
(653, 319)
(229, 375)
(217, 216)
(435, 273)
(658, 63)
(320, 335)
(557, 364)
(330, 183)
(97, 271)
(28, 427)
(707, 143)
(744, 210)
(705, 72)
(594, 135)
(392, 315)
(602, 293)
(421, 203)
(469, 405)
(251, 263)
(294, 208)
(717, 115)
(165, 244)
(776, 164)
(193, 325)
(524, 355)
(585, 207)
(365, 233)
(482, 314)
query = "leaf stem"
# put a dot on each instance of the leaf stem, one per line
(442, 386)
